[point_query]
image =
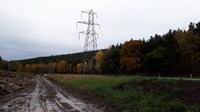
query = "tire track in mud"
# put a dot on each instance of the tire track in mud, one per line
(46, 97)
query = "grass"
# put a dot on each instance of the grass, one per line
(23, 74)
(135, 99)
(100, 86)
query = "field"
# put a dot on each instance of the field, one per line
(142, 94)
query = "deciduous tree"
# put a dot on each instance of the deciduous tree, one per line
(62, 67)
(19, 66)
(99, 60)
(79, 68)
(130, 56)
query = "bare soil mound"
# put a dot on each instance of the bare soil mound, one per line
(10, 83)
(181, 90)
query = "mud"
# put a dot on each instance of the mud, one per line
(44, 96)
(186, 91)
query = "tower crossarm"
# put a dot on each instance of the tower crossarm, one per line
(87, 23)
(89, 12)
(83, 22)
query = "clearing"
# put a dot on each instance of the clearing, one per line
(143, 94)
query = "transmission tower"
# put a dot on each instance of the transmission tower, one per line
(90, 34)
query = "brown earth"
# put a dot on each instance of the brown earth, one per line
(10, 83)
(86, 96)
(38, 94)
(44, 95)
(185, 91)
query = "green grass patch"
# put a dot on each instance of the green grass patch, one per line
(133, 94)
(23, 74)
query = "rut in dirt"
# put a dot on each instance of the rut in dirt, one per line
(46, 97)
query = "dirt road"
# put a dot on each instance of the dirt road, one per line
(44, 96)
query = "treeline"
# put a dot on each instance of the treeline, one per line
(70, 63)
(64, 66)
(176, 52)
(5, 65)
(71, 58)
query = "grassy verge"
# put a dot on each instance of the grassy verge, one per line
(136, 94)
(24, 74)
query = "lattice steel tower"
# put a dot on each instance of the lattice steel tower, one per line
(91, 34)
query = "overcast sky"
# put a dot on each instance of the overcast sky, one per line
(32, 28)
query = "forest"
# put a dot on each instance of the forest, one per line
(175, 53)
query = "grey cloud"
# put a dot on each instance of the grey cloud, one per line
(47, 27)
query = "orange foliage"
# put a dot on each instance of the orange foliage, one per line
(62, 67)
(19, 67)
(99, 60)
(78, 68)
(130, 56)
